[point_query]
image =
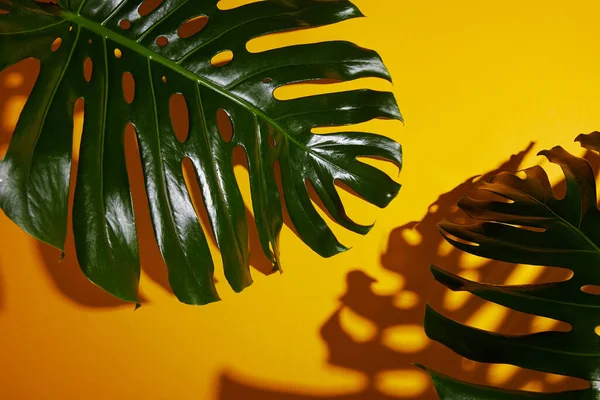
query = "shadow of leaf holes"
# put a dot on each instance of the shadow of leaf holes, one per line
(222, 58)
(591, 289)
(128, 83)
(225, 125)
(88, 69)
(56, 45)
(162, 41)
(148, 6)
(192, 26)
(180, 118)
(125, 24)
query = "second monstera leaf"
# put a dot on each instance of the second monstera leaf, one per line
(526, 223)
(119, 41)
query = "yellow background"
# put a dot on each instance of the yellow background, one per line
(476, 82)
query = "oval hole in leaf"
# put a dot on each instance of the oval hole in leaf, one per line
(162, 41)
(225, 125)
(267, 80)
(56, 44)
(192, 26)
(88, 69)
(180, 118)
(164, 79)
(591, 289)
(118, 53)
(222, 58)
(2, 12)
(191, 181)
(272, 141)
(125, 24)
(148, 6)
(128, 83)
(78, 119)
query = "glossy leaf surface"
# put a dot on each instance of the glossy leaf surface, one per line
(525, 223)
(124, 46)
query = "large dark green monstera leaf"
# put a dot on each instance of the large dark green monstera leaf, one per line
(117, 39)
(531, 226)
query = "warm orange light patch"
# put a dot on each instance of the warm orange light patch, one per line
(499, 374)
(403, 383)
(358, 327)
(14, 80)
(14, 106)
(405, 338)
(406, 300)
(412, 236)
(489, 317)
(533, 386)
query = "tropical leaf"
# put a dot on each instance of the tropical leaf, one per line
(525, 223)
(121, 43)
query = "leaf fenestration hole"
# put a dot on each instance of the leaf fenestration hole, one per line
(591, 289)
(125, 24)
(128, 83)
(78, 120)
(272, 141)
(180, 117)
(192, 26)
(258, 259)
(222, 58)
(118, 53)
(71, 28)
(164, 79)
(225, 125)
(2, 12)
(90, 41)
(267, 80)
(191, 179)
(148, 6)
(56, 45)
(162, 41)
(88, 69)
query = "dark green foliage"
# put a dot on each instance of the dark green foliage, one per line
(34, 174)
(527, 224)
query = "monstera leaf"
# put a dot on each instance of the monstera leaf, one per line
(121, 43)
(525, 223)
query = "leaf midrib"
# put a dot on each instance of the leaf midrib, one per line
(563, 221)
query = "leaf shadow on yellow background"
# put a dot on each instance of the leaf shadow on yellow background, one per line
(392, 337)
